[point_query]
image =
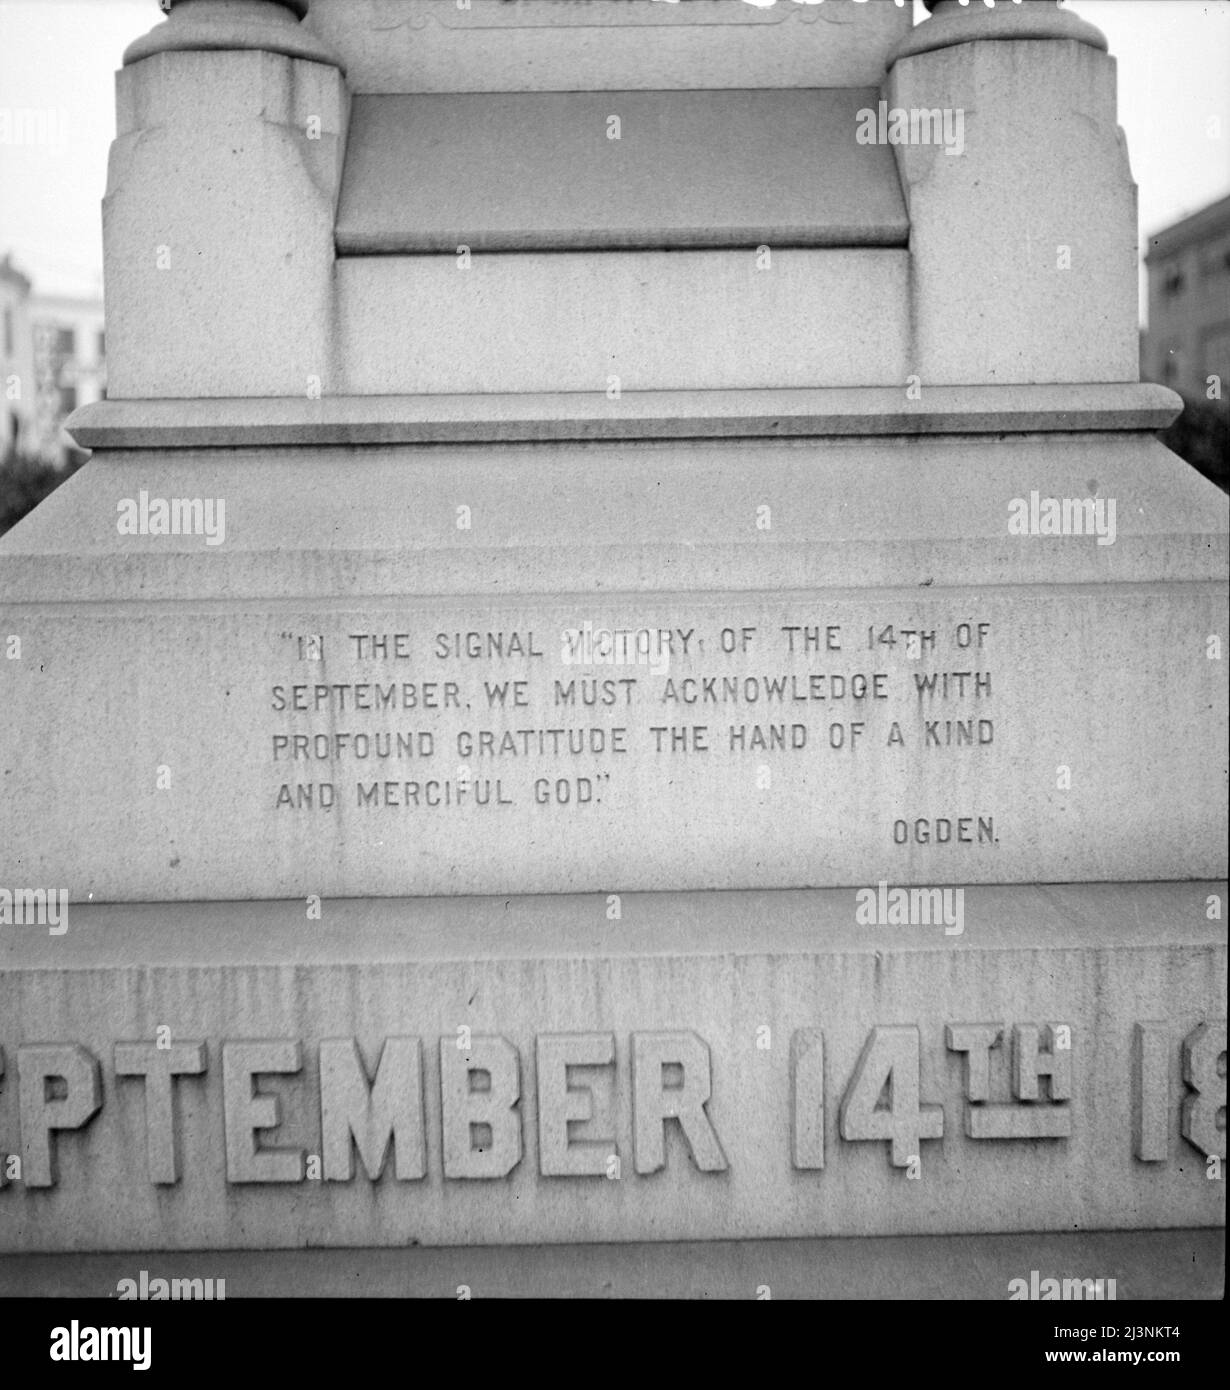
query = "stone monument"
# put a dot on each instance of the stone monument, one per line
(628, 699)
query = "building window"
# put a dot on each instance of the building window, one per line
(1172, 282)
(102, 344)
(1214, 261)
(8, 332)
(64, 343)
(68, 399)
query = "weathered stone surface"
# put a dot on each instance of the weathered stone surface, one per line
(271, 26)
(218, 225)
(543, 45)
(446, 746)
(1033, 19)
(627, 321)
(843, 760)
(236, 422)
(699, 996)
(1043, 191)
(1145, 1264)
(620, 518)
(647, 170)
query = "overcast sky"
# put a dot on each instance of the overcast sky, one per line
(1174, 104)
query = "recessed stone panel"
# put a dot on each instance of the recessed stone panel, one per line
(526, 745)
(617, 170)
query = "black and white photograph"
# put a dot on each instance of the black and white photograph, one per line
(613, 669)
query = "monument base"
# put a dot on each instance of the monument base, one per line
(1187, 1264)
(710, 663)
(582, 1069)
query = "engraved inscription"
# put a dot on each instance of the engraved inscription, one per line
(577, 719)
(1018, 1082)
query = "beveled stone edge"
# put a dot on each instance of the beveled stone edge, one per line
(235, 422)
(690, 923)
(1187, 1262)
(878, 234)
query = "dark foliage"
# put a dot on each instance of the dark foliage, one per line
(1201, 436)
(25, 481)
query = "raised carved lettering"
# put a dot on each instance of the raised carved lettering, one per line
(561, 1104)
(159, 1066)
(479, 1091)
(76, 1071)
(367, 1115)
(246, 1113)
(1152, 1099)
(1204, 1070)
(891, 1057)
(684, 1099)
(807, 1098)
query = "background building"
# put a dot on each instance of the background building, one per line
(17, 385)
(70, 365)
(53, 360)
(1188, 338)
(1186, 345)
